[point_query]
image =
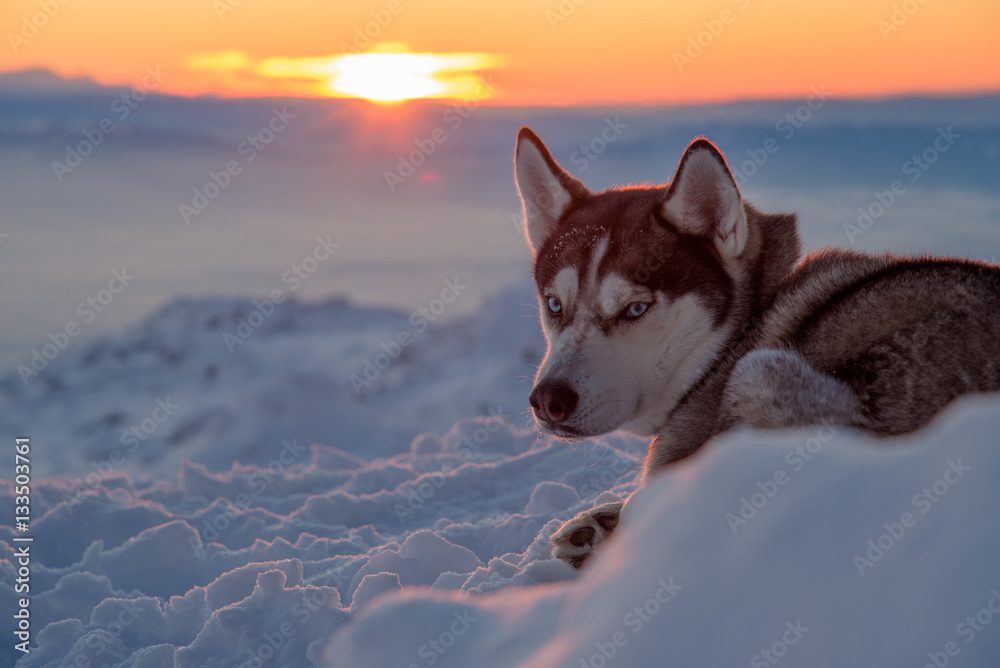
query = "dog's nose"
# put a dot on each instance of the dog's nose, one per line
(553, 401)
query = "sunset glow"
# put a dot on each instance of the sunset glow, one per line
(388, 74)
(540, 53)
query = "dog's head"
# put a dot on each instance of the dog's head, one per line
(637, 286)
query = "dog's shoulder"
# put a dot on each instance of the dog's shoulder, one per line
(829, 266)
(837, 266)
(871, 287)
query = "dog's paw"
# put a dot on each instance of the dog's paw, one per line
(576, 540)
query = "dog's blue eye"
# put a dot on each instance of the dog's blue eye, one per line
(555, 306)
(636, 309)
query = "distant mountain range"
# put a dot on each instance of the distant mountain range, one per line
(45, 82)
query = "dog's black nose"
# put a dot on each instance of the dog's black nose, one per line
(553, 401)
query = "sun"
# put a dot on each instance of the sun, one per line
(389, 77)
(388, 73)
(396, 76)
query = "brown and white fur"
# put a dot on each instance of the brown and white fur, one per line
(679, 311)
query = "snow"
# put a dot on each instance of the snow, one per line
(168, 390)
(868, 555)
(245, 540)
(290, 500)
(305, 553)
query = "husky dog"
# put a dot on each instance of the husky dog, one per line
(679, 311)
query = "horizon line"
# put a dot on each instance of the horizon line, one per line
(95, 86)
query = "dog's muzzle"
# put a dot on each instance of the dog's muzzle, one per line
(553, 401)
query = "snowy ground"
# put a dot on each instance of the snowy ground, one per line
(198, 381)
(825, 548)
(149, 539)
(233, 482)
(170, 555)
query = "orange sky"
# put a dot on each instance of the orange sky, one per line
(554, 52)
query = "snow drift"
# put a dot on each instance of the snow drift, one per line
(830, 549)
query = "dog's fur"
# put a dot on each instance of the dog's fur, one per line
(680, 311)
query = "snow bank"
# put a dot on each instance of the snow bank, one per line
(827, 548)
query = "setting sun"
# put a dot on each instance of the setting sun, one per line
(389, 73)
(389, 77)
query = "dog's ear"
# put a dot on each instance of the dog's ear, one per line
(703, 199)
(546, 188)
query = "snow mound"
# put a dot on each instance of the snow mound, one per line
(828, 548)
